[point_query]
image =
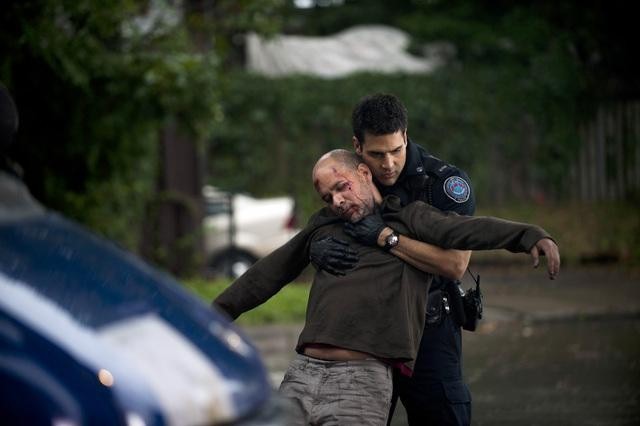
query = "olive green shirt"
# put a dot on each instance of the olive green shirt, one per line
(379, 306)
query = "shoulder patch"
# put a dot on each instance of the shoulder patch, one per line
(457, 189)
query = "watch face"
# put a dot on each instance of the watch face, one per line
(392, 240)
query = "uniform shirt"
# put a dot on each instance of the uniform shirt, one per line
(448, 187)
(429, 179)
(379, 306)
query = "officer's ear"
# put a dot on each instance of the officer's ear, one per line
(364, 171)
(357, 146)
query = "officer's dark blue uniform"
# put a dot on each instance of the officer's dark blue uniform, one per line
(436, 393)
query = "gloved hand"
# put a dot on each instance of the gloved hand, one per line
(332, 255)
(367, 229)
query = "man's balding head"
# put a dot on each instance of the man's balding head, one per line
(340, 158)
(344, 182)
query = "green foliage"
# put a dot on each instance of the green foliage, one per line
(95, 84)
(288, 306)
(478, 119)
(506, 109)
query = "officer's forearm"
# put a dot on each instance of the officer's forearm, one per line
(430, 258)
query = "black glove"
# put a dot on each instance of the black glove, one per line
(367, 229)
(333, 255)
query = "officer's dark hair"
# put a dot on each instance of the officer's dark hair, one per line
(378, 114)
(8, 119)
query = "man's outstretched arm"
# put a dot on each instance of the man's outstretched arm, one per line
(265, 278)
(480, 233)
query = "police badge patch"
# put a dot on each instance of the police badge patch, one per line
(457, 189)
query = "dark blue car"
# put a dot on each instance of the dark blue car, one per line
(91, 335)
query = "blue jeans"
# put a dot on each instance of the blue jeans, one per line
(339, 392)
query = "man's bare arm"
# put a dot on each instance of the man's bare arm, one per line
(427, 257)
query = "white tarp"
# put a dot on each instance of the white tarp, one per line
(373, 48)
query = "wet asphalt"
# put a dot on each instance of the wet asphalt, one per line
(561, 352)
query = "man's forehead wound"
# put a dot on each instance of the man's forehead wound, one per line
(320, 170)
(335, 172)
(341, 175)
(339, 172)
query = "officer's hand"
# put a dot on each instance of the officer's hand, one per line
(548, 248)
(332, 255)
(367, 229)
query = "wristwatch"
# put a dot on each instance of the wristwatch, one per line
(391, 241)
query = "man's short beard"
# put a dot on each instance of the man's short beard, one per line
(355, 218)
(366, 210)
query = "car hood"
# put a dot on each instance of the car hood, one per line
(140, 333)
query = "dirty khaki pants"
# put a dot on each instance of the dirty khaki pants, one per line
(339, 392)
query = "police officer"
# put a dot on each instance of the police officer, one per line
(435, 394)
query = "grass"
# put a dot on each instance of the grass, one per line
(288, 306)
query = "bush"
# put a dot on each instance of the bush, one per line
(274, 130)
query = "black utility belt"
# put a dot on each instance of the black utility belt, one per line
(464, 307)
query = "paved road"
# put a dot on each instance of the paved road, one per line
(563, 352)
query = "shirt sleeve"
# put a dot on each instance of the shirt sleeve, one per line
(452, 231)
(453, 192)
(267, 276)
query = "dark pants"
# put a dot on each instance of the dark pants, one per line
(436, 394)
